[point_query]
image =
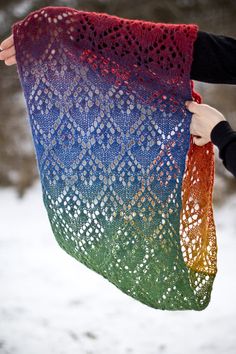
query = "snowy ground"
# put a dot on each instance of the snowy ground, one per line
(52, 304)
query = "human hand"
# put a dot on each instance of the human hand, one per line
(8, 51)
(204, 119)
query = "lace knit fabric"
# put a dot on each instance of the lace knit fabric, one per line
(127, 192)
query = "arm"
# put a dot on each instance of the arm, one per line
(214, 58)
(224, 137)
(208, 124)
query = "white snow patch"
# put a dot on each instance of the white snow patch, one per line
(52, 304)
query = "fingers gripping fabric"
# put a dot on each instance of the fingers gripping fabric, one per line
(127, 192)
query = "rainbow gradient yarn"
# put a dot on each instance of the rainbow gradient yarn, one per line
(127, 192)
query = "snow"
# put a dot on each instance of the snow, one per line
(50, 303)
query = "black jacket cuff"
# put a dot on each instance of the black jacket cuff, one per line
(222, 134)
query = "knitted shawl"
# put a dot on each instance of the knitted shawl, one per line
(127, 192)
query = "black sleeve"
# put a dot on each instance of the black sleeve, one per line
(214, 59)
(224, 137)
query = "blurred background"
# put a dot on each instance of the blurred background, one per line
(49, 302)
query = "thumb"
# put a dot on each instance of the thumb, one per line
(199, 141)
(192, 106)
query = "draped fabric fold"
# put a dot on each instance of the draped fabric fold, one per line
(126, 191)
